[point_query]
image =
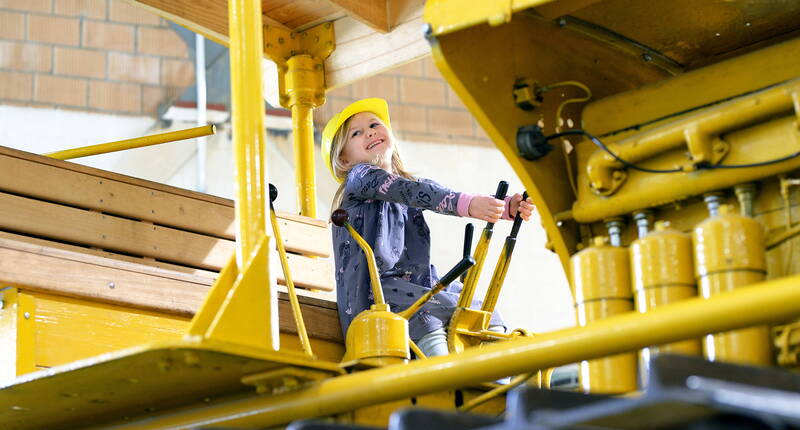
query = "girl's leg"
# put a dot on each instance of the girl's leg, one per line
(434, 343)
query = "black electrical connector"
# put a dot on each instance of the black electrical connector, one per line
(532, 143)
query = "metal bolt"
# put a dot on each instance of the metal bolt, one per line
(615, 227)
(27, 315)
(713, 202)
(642, 222)
(112, 285)
(562, 22)
(647, 57)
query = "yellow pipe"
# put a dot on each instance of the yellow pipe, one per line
(695, 131)
(375, 279)
(122, 145)
(770, 302)
(499, 276)
(489, 395)
(471, 281)
(303, 132)
(246, 52)
(298, 316)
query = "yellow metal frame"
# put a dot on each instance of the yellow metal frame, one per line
(244, 295)
(772, 301)
(446, 16)
(139, 142)
(300, 57)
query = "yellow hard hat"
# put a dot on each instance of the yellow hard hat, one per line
(375, 105)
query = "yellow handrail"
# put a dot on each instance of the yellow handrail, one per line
(287, 275)
(768, 302)
(122, 145)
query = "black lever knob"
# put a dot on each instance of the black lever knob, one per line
(273, 193)
(340, 217)
(461, 267)
(502, 189)
(518, 218)
(468, 239)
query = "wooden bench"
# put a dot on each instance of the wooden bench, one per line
(102, 261)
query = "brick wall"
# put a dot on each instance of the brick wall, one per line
(422, 106)
(92, 55)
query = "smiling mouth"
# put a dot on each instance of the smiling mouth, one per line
(374, 144)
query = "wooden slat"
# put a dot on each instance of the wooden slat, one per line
(44, 219)
(124, 263)
(297, 12)
(361, 53)
(373, 13)
(37, 176)
(86, 280)
(348, 62)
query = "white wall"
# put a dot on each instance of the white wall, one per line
(535, 296)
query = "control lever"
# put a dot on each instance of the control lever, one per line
(468, 230)
(298, 316)
(471, 281)
(500, 271)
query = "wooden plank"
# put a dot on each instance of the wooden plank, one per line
(87, 281)
(373, 13)
(349, 61)
(115, 176)
(359, 57)
(125, 265)
(44, 219)
(314, 273)
(297, 13)
(106, 258)
(35, 176)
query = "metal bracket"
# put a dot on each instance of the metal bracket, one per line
(300, 57)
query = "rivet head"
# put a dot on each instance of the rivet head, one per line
(112, 285)
(27, 315)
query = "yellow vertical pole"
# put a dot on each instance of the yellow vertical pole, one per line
(303, 132)
(300, 57)
(246, 48)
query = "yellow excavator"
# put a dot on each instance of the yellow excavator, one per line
(659, 141)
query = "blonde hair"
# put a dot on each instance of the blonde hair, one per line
(341, 169)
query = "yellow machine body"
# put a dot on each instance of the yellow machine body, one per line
(601, 276)
(729, 254)
(662, 272)
(676, 85)
(377, 337)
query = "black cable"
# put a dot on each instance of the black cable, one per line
(625, 163)
(742, 166)
(602, 146)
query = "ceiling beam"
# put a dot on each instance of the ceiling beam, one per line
(361, 51)
(373, 13)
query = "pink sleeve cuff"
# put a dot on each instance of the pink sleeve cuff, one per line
(462, 207)
(507, 211)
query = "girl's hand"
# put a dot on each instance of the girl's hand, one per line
(486, 208)
(525, 208)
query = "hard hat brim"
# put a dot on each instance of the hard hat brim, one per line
(375, 105)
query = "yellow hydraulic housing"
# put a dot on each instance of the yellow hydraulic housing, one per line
(602, 288)
(300, 57)
(662, 272)
(729, 254)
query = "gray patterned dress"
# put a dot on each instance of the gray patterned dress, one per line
(386, 209)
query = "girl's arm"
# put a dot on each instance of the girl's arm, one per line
(370, 182)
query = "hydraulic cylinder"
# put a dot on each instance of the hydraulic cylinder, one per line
(662, 272)
(602, 288)
(730, 254)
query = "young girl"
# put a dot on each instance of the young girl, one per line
(385, 205)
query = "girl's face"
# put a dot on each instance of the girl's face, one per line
(368, 141)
